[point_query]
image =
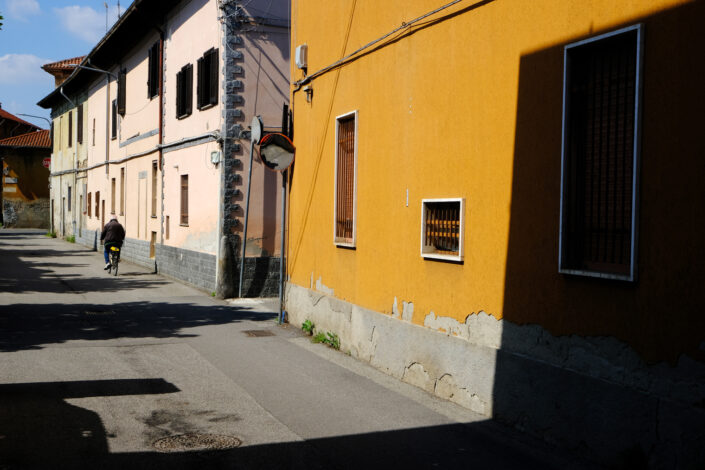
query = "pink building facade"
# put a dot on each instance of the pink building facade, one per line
(161, 106)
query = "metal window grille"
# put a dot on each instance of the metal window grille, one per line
(345, 181)
(599, 154)
(97, 204)
(184, 199)
(89, 206)
(442, 227)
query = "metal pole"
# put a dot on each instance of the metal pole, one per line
(281, 250)
(247, 214)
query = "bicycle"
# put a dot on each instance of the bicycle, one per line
(114, 257)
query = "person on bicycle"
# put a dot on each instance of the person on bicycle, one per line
(113, 233)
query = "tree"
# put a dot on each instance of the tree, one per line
(0, 21)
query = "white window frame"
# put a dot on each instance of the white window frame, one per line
(336, 240)
(631, 277)
(461, 245)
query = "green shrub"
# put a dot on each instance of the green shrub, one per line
(319, 337)
(71, 239)
(51, 234)
(308, 327)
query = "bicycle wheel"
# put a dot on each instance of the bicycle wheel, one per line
(114, 262)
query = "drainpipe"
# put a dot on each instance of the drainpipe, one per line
(161, 139)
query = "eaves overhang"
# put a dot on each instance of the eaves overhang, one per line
(141, 17)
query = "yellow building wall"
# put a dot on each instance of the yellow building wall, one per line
(439, 115)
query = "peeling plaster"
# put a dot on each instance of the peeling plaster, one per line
(320, 287)
(407, 310)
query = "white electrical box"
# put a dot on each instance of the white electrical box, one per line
(301, 57)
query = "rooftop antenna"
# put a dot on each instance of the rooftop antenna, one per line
(105, 4)
(118, 9)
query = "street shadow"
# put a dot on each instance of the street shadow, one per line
(655, 319)
(30, 326)
(41, 429)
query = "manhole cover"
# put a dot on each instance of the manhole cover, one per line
(258, 333)
(186, 442)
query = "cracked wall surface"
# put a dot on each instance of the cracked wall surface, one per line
(593, 395)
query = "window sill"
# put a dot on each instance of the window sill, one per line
(597, 274)
(207, 106)
(183, 116)
(344, 244)
(432, 256)
(152, 216)
(183, 225)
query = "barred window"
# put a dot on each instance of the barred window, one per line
(345, 179)
(70, 142)
(600, 155)
(113, 128)
(442, 228)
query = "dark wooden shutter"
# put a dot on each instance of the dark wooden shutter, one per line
(153, 71)
(113, 129)
(179, 93)
(345, 180)
(122, 90)
(150, 76)
(79, 125)
(213, 77)
(70, 128)
(600, 154)
(188, 89)
(200, 85)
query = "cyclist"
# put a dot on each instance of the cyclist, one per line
(113, 233)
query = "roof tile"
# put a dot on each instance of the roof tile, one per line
(38, 139)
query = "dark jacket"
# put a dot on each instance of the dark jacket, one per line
(113, 232)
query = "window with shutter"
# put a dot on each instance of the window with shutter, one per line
(122, 191)
(113, 185)
(600, 155)
(70, 142)
(208, 68)
(184, 91)
(113, 129)
(153, 71)
(200, 85)
(154, 188)
(89, 206)
(79, 124)
(122, 92)
(214, 66)
(345, 179)
(184, 200)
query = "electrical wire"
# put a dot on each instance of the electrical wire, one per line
(404, 25)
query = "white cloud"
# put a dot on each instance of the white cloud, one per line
(22, 9)
(20, 69)
(85, 22)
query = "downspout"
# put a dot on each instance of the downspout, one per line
(161, 140)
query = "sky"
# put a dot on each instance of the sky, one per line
(36, 32)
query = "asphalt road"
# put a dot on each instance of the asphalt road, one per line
(139, 371)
